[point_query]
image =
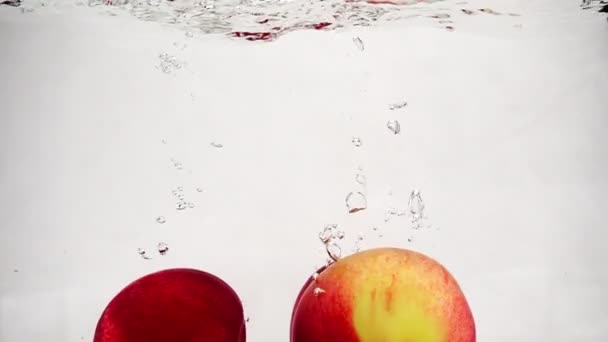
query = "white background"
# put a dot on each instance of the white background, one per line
(505, 135)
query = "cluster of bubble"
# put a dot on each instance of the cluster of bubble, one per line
(162, 248)
(329, 236)
(181, 204)
(416, 208)
(169, 63)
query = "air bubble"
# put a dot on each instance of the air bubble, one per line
(162, 248)
(359, 43)
(361, 179)
(142, 253)
(334, 251)
(416, 206)
(394, 126)
(397, 105)
(328, 233)
(355, 201)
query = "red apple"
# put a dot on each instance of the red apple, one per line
(175, 305)
(384, 294)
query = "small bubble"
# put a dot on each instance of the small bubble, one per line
(180, 206)
(315, 276)
(355, 201)
(361, 179)
(190, 205)
(180, 188)
(247, 319)
(340, 234)
(356, 141)
(189, 34)
(318, 291)
(334, 251)
(359, 43)
(360, 236)
(199, 189)
(390, 212)
(440, 16)
(328, 233)
(15, 271)
(142, 253)
(162, 248)
(161, 219)
(164, 141)
(489, 11)
(216, 145)
(397, 105)
(410, 239)
(394, 126)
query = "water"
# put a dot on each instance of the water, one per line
(265, 19)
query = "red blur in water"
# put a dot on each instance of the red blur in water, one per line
(267, 36)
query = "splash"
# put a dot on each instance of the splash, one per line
(266, 20)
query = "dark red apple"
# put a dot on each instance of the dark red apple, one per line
(175, 305)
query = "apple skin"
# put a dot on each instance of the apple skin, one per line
(383, 294)
(181, 305)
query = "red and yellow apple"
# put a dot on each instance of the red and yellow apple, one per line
(383, 295)
(173, 305)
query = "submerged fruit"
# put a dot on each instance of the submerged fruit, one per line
(384, 294)
(173, 305)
